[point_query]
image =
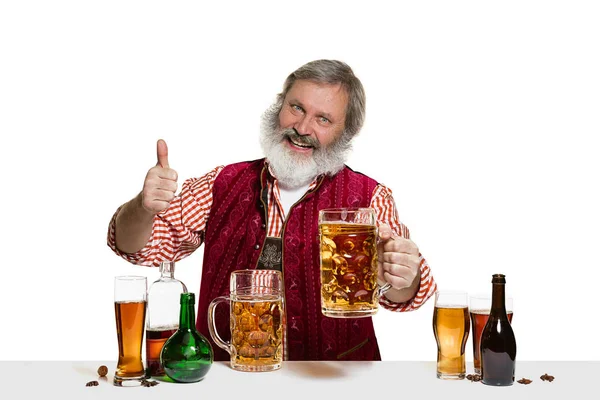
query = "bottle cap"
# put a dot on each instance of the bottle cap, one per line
(498, 278)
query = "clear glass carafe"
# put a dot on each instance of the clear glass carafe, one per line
(162, 316)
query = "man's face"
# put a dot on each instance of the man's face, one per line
(316, 111)
(303, 136)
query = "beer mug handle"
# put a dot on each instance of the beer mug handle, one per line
(381, 289)
(212, 328)
(384, 288)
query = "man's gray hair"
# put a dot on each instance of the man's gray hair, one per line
(333, 72)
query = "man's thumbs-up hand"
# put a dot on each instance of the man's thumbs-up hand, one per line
(160, 184)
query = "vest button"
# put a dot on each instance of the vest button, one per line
(263, 226)
(257, 246)
(261, 205)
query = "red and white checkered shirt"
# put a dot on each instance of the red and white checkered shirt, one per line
(178, 230)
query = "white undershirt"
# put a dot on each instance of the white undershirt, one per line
(289, 197)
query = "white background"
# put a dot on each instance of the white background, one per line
(482, 117)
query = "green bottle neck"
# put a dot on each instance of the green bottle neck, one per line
(187, 315)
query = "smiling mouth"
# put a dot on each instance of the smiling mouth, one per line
(301, 145)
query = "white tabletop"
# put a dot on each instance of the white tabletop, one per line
(298, 379)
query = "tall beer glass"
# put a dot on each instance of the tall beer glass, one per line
(130, 313)
(451, 330)
(349, 286)
(479, 308)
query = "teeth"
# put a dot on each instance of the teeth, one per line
(306, 146)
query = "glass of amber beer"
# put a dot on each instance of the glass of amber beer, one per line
(479, 308)
(130, 313)
(451, 330)
(349, 287)
(256, 320)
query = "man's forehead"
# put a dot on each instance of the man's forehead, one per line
(337, 88)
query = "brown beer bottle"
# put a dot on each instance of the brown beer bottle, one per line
(498, 345)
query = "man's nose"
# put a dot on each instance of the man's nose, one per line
(303, 126)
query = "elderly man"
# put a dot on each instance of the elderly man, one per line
(235, 210)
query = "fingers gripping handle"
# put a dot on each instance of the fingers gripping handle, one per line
(212, 327)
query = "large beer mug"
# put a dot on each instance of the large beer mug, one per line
(349, 287)
(256, 320)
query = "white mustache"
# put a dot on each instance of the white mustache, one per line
(293, 135)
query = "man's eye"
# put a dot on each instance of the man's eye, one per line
(296, 107)
(324, 120)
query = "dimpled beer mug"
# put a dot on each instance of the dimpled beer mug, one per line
(349, 287)
(479, 308)
(451, 330)
(130, 313)
(256, 320)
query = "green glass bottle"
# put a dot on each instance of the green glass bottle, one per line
(187, 355)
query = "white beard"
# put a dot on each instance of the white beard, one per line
(294, 170)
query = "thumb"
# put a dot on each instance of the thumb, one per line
(162, 154)
(385, 232)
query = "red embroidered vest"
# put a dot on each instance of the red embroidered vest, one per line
(235, 232)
